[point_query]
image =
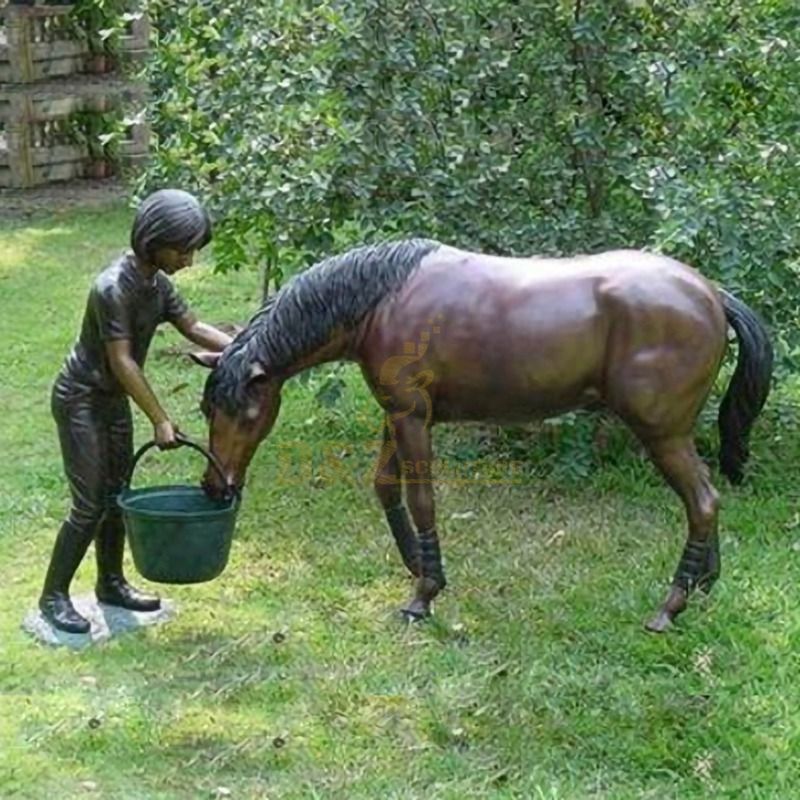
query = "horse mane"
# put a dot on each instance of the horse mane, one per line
(334, 294)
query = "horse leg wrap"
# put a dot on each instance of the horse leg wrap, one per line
(691, 566)
(404, 536)
(431, 557)
(711, 568)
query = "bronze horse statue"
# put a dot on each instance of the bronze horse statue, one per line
(444, 335)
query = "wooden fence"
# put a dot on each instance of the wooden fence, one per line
(45, 82)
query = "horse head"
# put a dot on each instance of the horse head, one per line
(236, 428)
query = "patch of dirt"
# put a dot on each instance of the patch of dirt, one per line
(55, 198)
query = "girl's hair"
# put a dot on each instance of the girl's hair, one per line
(169, 218)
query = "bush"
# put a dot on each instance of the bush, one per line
(507, 126)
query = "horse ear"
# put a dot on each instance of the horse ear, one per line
(205, 359)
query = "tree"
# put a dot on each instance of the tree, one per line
(519, 127)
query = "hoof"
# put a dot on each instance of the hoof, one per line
(674, 605)
(416, 611)
(660, 623)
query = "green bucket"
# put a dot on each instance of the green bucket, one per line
(178, 534)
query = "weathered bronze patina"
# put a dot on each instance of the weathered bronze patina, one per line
(447, 335)
(90, 397)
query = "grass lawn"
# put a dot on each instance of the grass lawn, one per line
(290, 676)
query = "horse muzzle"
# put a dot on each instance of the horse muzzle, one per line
(219, 491)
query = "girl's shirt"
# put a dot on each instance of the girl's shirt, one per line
(122, 304)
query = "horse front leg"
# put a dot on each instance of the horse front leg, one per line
(712, 569)
(416, 455)
(699, 566)
(389, 488)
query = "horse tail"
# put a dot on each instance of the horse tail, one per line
(748, 389)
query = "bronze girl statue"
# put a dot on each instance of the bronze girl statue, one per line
(126, 303)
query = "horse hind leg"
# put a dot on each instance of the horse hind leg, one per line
(389, 489)
(678, 462)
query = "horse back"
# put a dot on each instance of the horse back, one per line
(512, 339)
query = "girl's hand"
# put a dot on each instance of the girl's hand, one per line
(165, 435)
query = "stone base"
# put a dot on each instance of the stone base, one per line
(106, 622)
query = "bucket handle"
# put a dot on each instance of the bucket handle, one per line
(183, 441)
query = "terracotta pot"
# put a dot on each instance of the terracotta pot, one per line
(98, 169)
(99, 64)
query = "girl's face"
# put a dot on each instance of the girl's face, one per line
(171, 260)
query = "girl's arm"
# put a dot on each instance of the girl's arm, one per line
(133, 381)
(201, 333)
